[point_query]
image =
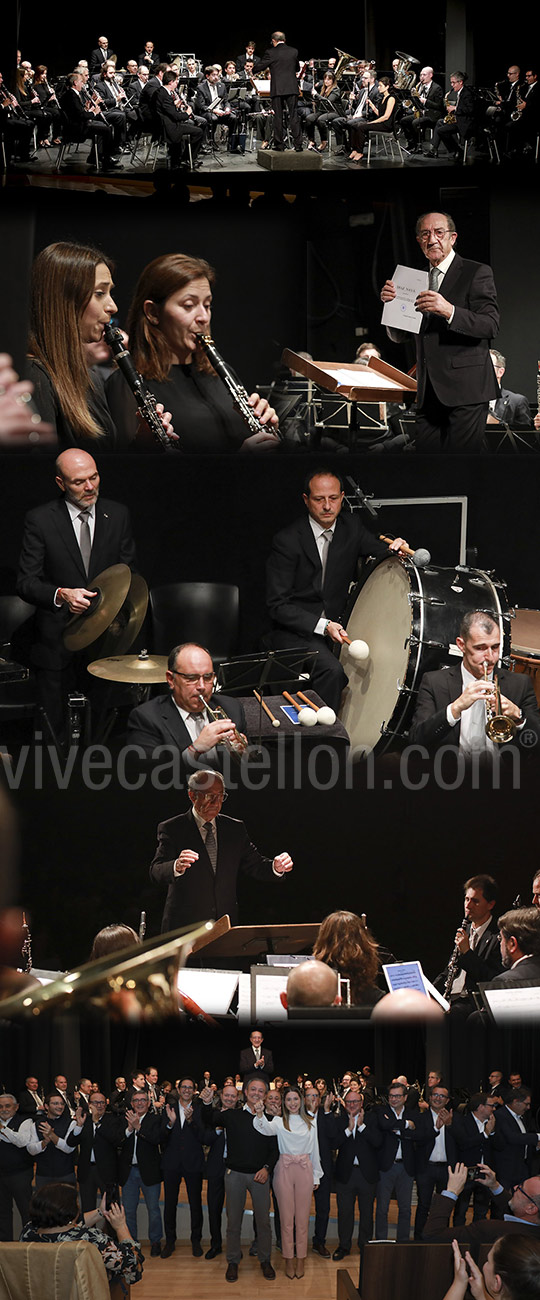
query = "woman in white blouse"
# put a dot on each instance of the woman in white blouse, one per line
(297, 1173)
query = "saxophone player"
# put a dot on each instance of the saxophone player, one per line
(427, 101)
(453, 134)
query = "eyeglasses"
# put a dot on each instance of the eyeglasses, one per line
(207, 798)
(520, 1188)
(439, 1096)
(193, 677)
(424, 234)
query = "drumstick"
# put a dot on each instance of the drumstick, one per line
(403, 550)
(288, 697)
(324, 714)
(303, 697)
(275, 721)
(420, 557)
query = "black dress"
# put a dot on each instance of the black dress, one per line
(202, 412)
(48, 404)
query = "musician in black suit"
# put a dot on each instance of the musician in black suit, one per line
(149, 56)
(56, 571)
(100, 56)
(139, 1167)
(178, 125)
(477, 944)
(179, 720)
(84, 121)
(256, 1062)
(435, 1149)
(98, 1136)
(514, 1144)
(309, 572)
(200, 855)
(519, 932)
(183, 1158)
(519, 1205)
(282, 60)
(357, 1139)
(510, 408)
(397, 1124)
(427, 97)
(147, 97)
(472, 1133)
(455, 376)
(451, 702)
(31, 1097)
(453, 134)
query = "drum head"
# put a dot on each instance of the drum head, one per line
(525, 633)
(382, 617)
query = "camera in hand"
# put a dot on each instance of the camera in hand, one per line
(473, 1172)
(112, 1195)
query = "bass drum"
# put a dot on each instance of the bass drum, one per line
(410, 618)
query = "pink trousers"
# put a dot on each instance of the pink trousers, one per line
(293, 1185)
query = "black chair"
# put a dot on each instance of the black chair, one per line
(18, 699)
(204, 612)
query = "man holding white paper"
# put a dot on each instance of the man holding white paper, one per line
(459, 317)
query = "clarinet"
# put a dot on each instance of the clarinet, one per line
(144, 398)
(453, 964)
(236, 390)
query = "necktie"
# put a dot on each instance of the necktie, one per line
(210, 845)
(327, 538)
(85, 540)
(198, 720)
(434, 277)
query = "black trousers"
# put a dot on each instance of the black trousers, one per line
(434, 1179)
(89, 1188)
(450, 428)
(171, 1187)
(215, 1199)
(328, 678)
(14, 1187)
(322, 1208)
(278, 104)
(356, 1189)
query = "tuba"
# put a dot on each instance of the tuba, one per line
(343, 62)
(404, 79)
(499, 728)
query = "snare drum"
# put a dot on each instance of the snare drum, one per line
(410, 618)
(525, 654)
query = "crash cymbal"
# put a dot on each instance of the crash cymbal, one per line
(127, 623)
(112, 587)
(141, 669)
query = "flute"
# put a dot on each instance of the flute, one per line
(144, 397)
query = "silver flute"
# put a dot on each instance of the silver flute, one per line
(236, 390)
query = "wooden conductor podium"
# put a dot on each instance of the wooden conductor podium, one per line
(244, 942)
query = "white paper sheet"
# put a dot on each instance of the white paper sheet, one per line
(401, 312)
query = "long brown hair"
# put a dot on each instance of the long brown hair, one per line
(345, 942)
(63, 279)
(302, 1112)
(160, 279)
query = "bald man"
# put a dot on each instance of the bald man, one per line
(312, 984)
(66, 543)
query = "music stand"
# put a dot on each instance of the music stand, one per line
(376, 382)
(247, 942)
(280, 668)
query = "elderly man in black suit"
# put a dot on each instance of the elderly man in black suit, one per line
(16, 1165)
(85, 119)
(254, 1061)
(100, 55)
(179, 720)
(435, 1149)
(357, 1139)
(66, 543)
(510, 408)
(282, 60)
(309, 572)
(453, 134)
(98, 1136)
(200, 855)
(451, 703)
(519, 1204)
(455, 376)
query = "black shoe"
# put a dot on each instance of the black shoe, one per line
(232, 1273)
(340, 1253)
(267, 1270)
(320, 1248)
(299, 148)
(431, 153)
(214, 1250)
(155, 1248)
(168, 1249)
(196, 1249)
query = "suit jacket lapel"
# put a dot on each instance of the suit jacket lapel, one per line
(310, 548)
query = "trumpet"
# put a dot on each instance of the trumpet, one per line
(235, 744)
(499, 727)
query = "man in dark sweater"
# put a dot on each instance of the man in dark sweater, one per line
(15, 1164)
(250, 1160)
(55, 1157)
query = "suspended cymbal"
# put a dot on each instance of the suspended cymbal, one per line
(127, 623)
(112, 587)
(141, 669)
